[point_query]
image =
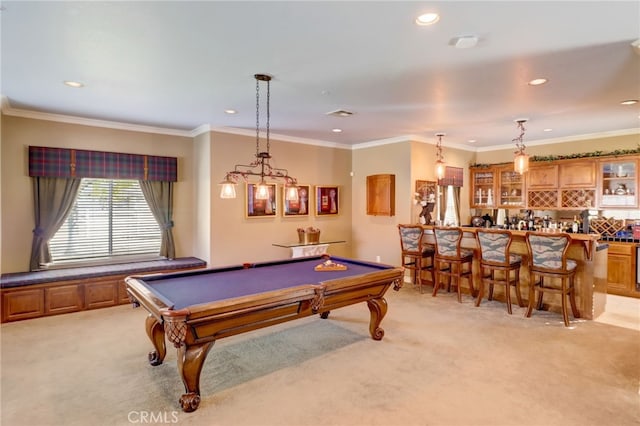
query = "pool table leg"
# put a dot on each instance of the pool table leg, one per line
(155, 331)
(190, 362)
(378, 309)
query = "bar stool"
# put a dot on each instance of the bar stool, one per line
(414, 252)
(495, 257)
(548, 259)
(450, 259)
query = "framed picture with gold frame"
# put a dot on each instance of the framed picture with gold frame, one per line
(296, 208)
(260, 208)
(327, 200)
(426, 190)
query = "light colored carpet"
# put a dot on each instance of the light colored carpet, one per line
(440, 363)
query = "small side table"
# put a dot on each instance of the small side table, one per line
(311, 249)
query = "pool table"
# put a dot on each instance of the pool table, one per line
(194, 308)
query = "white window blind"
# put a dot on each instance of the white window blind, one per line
(109, 218)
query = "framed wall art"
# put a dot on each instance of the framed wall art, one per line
(299, 207)
(327, 200)
(426, 190)
(260, 208)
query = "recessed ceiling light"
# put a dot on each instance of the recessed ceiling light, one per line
(427, 18)
(629, 102)
(547, 130)
(336, 130)
(471, 141)
(537, 81)
(74, 84)
(230, 111)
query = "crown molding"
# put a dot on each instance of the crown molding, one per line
(69, 119)
(282, 138)
(411, 138)
(7, 109)
(575, 138)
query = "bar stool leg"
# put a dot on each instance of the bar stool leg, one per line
(572, 299)
(517, 285)
(507, 290)
(532, 286)
(481, 287)
(565, 313)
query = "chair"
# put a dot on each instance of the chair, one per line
(414, 252)
(450, 259)
(497, 264)
(548, 259)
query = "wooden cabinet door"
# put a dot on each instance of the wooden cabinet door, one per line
(619, 274)
(381, 195)
(483, 188)
(618, 183)
(543, 177)
(621, 269)
(511, 192)
(578, 174)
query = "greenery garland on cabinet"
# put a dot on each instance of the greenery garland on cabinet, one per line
(614, 153)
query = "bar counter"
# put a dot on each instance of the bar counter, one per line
(591, 275)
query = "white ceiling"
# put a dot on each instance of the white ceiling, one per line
(179, 65)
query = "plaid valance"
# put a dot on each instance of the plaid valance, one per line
(68, 163)
(452, 176)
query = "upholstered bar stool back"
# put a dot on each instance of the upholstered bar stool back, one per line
(548, 259)
(498, 265)
(416, 256)
(451, 260)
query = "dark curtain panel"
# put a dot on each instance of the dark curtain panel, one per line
(53, 200)
(159, 196)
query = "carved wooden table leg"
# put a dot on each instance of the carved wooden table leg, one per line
(378, 309)
(190, 362)
(155, 331)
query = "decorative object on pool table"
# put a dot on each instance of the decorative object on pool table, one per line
(327, 200)
(260, 167)
(256, 207)
(309, 235)
(330, 265)
(299, 207)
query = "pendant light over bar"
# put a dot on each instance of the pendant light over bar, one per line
(521, 160)
(440, 164)
(260, 167)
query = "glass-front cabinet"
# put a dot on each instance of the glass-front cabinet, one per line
(618, 186)
(510, 188)
(483, 187)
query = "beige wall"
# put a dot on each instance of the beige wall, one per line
(17, 204)
(377, 236)
(236, 238)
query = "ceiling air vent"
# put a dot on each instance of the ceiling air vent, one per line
(340, 113)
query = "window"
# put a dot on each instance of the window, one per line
(110, 218)
(451, 213)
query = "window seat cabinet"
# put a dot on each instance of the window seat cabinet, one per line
(27, 295)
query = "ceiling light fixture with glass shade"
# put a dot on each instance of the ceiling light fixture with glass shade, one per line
(440, 164)
(260, 167)
(521, 159)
